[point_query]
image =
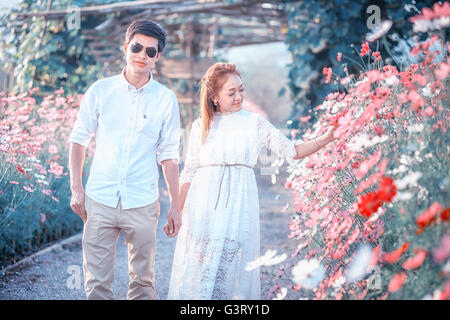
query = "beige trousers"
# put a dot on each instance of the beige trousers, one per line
(100, 235)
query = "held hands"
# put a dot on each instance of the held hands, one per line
(77, 203)
(173, 224)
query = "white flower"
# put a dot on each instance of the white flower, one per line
(442, 22)
(268, 259)
(403, 196)
(405, 159)
(408, 180)
(339, 282)
(389, 82)
(33, 159)
(362, 141)
(308, 273)
(358, 267)
(422, 25)
(446, 267)
(418, 127)
(281, 295)
(380, 31)
(434, 296)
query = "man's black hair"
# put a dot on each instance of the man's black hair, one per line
(148, 28)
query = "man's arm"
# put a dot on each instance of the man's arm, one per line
(171, 175)
(77, 154)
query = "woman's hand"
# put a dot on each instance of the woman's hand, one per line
(329, 133)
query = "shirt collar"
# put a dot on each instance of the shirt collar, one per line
(125, 82)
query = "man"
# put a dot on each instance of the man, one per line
(136, 121)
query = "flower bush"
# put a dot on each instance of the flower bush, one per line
(34, 181)
(373, 206)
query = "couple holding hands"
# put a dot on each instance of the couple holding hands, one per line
(214, 205)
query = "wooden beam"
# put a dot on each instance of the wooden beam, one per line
(156, 7)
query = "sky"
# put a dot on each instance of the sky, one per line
(5, 4)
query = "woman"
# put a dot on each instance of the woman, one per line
(219, 235)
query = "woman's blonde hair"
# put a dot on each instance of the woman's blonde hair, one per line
(212, 82)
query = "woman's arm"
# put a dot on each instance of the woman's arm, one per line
(307, 148)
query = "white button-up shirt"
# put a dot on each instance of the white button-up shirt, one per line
(134, 128)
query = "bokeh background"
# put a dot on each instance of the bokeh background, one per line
(378, 69)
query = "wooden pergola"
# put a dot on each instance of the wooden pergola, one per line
(195, 29)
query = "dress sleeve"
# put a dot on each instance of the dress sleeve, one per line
(192, 161)
(169, 139)
(273, 139)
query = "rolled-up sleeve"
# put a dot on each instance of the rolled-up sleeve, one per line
(169, 138)
(87, 119)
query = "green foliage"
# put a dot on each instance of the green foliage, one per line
(319, 29)
(46, 53)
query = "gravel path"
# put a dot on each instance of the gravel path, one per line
(57, 274)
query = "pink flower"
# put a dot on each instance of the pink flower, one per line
(368, 164)
(397, 282)
(416, 261)
(13, 182)
(339, 56)
(43, 217)
(305, 119)
(56, 169)
(52, 149)
(377, 55)
(29, 189)
(443, 71)
(442, 253)
(328, 72)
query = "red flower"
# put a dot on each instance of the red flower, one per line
(426, 218)
(379, 130)
(364, 49)
(368, 204)
(19, 168)
(445, 214)
(355, 164)
(387, 189)
(393, 256)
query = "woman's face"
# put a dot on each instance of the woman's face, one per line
(231, 95)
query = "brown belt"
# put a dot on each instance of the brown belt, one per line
(225, 165)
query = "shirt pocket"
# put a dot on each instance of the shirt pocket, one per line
(148, 126)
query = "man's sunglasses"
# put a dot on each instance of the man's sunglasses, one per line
(137, 47)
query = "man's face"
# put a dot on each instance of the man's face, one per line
(140, 62)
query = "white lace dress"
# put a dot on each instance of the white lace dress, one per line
(220, 231)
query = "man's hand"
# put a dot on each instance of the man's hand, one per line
(77, 203)
(173, 222)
